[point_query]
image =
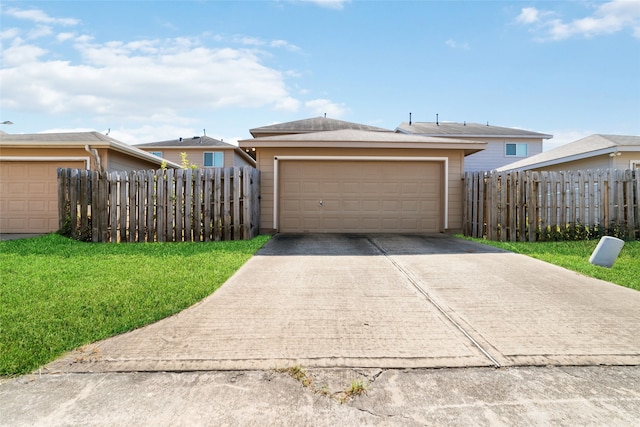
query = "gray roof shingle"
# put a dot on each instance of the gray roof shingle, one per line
(196, 141)
(467, 130)
(316, 124)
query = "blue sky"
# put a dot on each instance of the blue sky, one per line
(156, 70)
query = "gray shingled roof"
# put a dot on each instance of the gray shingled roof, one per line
(467, 130)
(73, 137)
(316, 124)
(590, 146)
(78, 139)
(196, 141)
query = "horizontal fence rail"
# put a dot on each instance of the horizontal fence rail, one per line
(532, 206)
(159, 206)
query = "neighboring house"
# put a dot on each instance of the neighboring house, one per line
(356, 178)
(28, 173)
(201, 151)
(593, 152)
(504, 145)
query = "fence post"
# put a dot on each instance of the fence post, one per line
(62, 197)
(226, 215)
(236, 204)
(246, 202)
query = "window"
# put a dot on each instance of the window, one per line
(157, 153)
(516, 150)
(214, 159)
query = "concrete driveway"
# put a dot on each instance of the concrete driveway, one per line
(384, 301)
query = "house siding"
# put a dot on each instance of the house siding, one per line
(494, 155)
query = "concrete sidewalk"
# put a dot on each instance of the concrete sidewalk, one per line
(525, 396)
(384, 301)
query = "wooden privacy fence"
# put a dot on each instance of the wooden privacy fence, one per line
(530, 206)
(159, 206)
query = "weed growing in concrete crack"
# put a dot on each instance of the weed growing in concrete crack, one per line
(297, 373)
(357, 388)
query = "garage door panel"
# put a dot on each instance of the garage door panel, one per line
(370, 205)
(370, 188)
(310, 187)
(332, 187)
(29, 195)
(367, 196)
(330, 206)
(352, 205)
(352, 188)
(409, 205)
(291, 187)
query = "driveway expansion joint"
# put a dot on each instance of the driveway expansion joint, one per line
(409, 278)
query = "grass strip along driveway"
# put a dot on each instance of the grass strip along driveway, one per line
(574, 255)
(57, 294)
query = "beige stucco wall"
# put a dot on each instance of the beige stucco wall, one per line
(265, 160)
(45, 152)
(196, 155)
(122, 162)
(110, 159)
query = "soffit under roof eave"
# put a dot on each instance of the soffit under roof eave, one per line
(468, 152)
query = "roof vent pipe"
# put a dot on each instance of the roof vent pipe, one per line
(437, 121)
(409, 119)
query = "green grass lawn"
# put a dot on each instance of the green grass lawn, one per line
(57, 294)
(574, 255)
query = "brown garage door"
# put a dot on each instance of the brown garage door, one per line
(360, 196)
(29, 195)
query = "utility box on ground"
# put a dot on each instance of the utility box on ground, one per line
(607, 251)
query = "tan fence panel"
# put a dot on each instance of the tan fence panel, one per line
(530, 206)
(163, 205)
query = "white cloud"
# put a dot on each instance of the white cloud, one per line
(608, 18)
(284, 44)
(37, 15)
(528, 15)
(456, 45)
(62, 37)
(329, 4)
(145, 80)
(18, 54)
(321, 106)
(40, 31)
(287, 104)
(10, 33)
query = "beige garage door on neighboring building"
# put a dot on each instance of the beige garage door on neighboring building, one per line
(360, 196)
(29, 195)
